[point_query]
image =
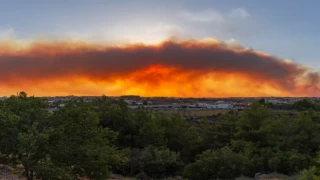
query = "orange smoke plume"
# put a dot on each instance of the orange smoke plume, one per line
(172, 68)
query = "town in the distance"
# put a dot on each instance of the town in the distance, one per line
(192, 109)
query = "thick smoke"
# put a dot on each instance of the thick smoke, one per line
(47, 61)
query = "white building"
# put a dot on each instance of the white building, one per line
(224, 106)
(215, 106)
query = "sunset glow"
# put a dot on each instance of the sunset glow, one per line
(204, 68)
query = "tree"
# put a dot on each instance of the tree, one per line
(262, 101)
(251, 122)
(305, 104)
(25, 132)
(180, 135)
(8, 135)
(66, 145)
(224, 129)
(116, 116)
(80, 144)
(280, 143)
(160, 162)
(217, 164)
(312, 173)
(151, 133)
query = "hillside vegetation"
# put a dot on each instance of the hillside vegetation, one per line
(96, 139)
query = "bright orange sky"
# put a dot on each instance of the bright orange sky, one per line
(185, 69)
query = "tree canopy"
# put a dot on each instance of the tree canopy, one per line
(98, 138)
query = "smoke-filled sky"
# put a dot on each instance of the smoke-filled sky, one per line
(159, 48)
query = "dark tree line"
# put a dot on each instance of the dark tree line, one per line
(95, 139)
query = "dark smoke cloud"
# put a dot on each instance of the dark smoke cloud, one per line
(49, 60)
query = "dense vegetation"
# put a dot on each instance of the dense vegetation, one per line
(95, 139)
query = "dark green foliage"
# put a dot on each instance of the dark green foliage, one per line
(180, 136)
(116, 116)
(213, 164)
(151, 133)
(250, 124)
(306, 104)
(142, 176)
(79, 143)
(95, 139)
(160, 162)
(65, 145)
(262, 101)
(224, 129)
(25, 132)
(312, 173)
(48, 170)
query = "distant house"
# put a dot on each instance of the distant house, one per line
(240, 105)
(224, 106)
(275, 101)
(215, 105)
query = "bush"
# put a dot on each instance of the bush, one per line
(160, 162)
(213, 164)
(142, 176)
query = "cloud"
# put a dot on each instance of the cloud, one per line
(204, 16)
(135, 32)
(7, 33)
(238, 13)
(233, 44)
(212, 16)
(208, 68)
(148, 33)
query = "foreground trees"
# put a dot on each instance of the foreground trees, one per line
(95, 139)
(213, 164)
(160, 162)
(68, 144)
(264, 143)
(25, 132)
(79, 144)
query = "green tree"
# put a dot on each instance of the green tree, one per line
(160, 162)
(152, 133)
(8, 135)
(116, 116)
(217, 164)
(80, 144)
(310, 174)
(313, 172)
(224, 129)
(305, 104)
(262, 101)
(25, 132)
(250, 124)
(180, 135)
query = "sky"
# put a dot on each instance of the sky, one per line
(284, 30)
